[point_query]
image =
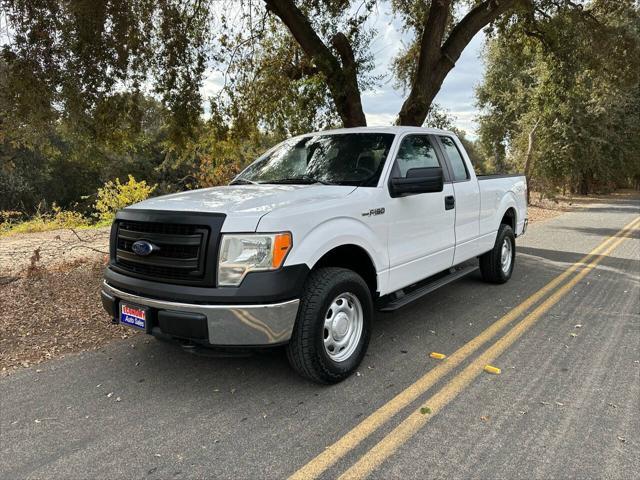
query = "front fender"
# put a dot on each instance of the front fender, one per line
(335, 233)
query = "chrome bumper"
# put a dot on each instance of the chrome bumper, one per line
(229, 324)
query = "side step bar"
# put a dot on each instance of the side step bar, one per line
(431, 285)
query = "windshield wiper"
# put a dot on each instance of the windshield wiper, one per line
(243, 181)
(302, 180)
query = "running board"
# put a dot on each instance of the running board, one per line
(419, 292)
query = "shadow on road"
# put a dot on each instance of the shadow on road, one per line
(602, 232)
(631, 265)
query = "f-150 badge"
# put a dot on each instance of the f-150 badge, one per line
(373, 211)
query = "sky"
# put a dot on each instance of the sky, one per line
(456, 96)
(382, 104)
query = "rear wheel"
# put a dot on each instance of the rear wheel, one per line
(332, 329)
(497, 264)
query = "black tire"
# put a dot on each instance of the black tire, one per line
(306, 351)
(491, 262)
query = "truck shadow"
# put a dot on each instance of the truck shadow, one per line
(442, 320)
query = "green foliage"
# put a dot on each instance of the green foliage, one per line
(10, 221)
(65, 59)
(573, 80)
(115, 196)
(92, 90)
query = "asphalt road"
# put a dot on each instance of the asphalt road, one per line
(567, 403)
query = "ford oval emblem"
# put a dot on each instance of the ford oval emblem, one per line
(143, 248)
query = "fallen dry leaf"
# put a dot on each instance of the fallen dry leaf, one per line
(51, 313)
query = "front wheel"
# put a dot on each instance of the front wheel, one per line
(333, 325)
(497, 264)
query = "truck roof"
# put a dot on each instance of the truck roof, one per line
(390, 129)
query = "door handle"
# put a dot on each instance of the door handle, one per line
(449, 202)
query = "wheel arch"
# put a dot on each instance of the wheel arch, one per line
(331, 242)
(354, 257)
(507, 212)
(510, 217)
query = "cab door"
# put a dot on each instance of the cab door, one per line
(422, 225)
(467, 199)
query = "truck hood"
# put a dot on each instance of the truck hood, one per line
(244, 205)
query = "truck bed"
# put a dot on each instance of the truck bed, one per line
(499, 175)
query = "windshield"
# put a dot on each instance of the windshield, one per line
(340, 159)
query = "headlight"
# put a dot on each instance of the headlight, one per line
(244, 253)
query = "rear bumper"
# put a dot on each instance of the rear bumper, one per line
(521, 227)
(220, 325)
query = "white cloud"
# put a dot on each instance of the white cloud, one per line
(212, 84)
(380, 119)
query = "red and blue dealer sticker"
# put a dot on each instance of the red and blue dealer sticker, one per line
(133, 316)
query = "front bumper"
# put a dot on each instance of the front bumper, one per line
(226, 325)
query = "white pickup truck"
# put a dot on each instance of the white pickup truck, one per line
(309, 240)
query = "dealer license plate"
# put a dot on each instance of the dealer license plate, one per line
(133, 315)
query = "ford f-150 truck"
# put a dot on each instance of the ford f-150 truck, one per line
(309, 240)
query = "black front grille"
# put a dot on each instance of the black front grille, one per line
(179, 254)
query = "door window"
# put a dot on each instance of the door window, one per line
(416, 151)
(457, 162)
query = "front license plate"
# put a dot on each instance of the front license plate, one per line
(133, 315)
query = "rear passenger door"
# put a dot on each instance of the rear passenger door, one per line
(421, 229)
(467, 198)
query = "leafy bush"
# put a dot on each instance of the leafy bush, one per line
(116, 195)
(10, 222)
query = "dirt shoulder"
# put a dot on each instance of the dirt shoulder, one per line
(55, 248)
(53, 311)
(541, 209)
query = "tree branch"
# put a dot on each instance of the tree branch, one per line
(437, 59)
(477, 18)
(342, 79)
(302, 31)
(341, 43)
(435, 24)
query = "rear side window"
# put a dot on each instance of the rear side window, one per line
(415, 151)
(457, 162)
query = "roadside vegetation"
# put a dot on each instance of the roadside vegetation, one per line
(110, 198)
(94, 100)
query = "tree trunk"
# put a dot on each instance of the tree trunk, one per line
(586, 179)
(341, 75)
(528, 159)
(436, 58)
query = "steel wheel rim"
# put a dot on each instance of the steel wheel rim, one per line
(506, 255)
(343, 325)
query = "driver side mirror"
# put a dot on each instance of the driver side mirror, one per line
(418, 180)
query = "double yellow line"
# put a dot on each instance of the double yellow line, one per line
(407, 428)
